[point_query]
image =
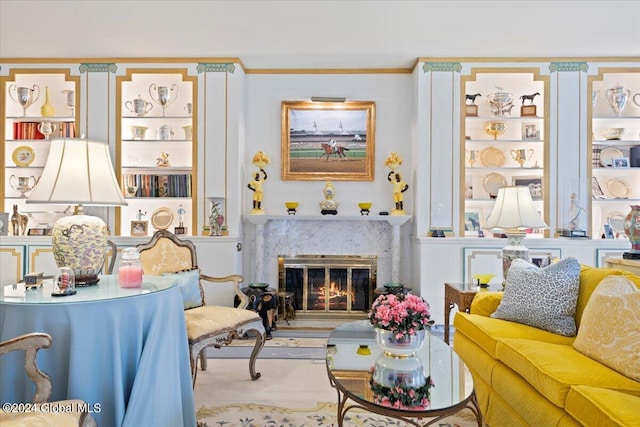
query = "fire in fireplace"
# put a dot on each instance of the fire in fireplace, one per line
(328, 283)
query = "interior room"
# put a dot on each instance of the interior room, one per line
(297, 160)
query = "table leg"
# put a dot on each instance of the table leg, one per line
(448, 306)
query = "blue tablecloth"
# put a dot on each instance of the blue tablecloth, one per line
(125, 352)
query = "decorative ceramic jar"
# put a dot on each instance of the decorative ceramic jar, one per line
(632, 230)
(405, 345)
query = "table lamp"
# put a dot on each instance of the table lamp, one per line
(79, 172)
(512, 214)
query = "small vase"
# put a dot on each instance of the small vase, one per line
(632, 230)
(407, 345)
(47, 109)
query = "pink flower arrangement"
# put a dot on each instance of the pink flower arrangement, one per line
(401, 396)
(401, 314)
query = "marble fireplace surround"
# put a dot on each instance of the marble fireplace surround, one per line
(271, 236)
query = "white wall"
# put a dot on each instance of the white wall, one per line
(393, 96)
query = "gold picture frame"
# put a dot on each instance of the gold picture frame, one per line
(328, 140)
(139, 228)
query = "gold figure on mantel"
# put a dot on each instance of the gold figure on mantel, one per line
(260, 160)
(399, 186)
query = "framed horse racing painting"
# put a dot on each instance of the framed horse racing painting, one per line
(328, 140)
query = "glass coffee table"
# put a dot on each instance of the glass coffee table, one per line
(367, 378)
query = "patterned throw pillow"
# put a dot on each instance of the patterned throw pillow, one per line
(189, 282)
(542, 297)
(610, 327)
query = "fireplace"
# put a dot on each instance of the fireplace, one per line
(341, 284)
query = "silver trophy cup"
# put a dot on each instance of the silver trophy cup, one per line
(24, 96)
(163, 95)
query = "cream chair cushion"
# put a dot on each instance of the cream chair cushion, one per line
(214, 320)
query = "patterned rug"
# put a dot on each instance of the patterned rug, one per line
(253, 415)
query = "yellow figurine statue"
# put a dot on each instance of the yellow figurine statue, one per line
(260, 160)
(399, 186)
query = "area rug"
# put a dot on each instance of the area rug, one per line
(301, 342)
(324, 415)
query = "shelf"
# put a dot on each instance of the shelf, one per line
(155, 141)
(156, 117)
(502, 118)
(42, 119)
(155, 170)
(507, 141)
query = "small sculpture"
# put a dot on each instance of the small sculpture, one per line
(140, 214)
(471, 98)
(260, 160)
(575, 211)
(19, 222)
(399, 186)
(181, 211)
(163, 160)
(529, 98)
(328, 206)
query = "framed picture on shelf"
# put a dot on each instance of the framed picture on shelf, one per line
(608, 232)
(473, 222)
(596, 190)
(139, 228)
(533, 182)
(4, 223)
(328, 140)
(530, 132)
(620, 162)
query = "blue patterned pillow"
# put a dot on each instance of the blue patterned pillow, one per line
(189, 282)
(542, 297)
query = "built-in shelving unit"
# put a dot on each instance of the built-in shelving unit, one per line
(38, 105)
(156, 146)
(615, 148)
(504, 140)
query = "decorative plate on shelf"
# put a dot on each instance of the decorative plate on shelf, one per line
(162, 218)
(618, 188)
(493, 182)
(492, 157)
(23, 156)
(259, 285)
(616, 221)
(607, 155)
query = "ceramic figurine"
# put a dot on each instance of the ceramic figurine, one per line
(260, 160)
(399, 186)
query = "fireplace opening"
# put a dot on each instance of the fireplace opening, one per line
(329, 283)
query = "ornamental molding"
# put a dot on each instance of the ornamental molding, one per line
(442, 66)
(216, 67)
(98, 67)
(568, 66)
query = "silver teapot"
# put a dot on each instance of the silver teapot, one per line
(618, 97)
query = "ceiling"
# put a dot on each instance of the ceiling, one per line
(267, 34)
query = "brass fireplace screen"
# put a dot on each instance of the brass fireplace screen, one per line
(328, 283)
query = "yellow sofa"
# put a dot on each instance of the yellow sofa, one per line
(526, 376)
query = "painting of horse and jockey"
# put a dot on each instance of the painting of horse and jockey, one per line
(328, 140)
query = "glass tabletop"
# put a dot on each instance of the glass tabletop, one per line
(367, 374)
(107, 288)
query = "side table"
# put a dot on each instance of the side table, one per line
(286, 305)
(460, 294)
(630, 265)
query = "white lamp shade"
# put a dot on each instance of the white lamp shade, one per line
(514, 210)
(78, 171)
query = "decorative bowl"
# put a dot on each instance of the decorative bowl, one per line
(138, 132)
(612, 133)
(365, 205)
(291, 205)
(483, 279)
(496, 128)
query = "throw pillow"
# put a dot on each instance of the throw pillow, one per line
(189, 282)
(544, 298)
(610, 329)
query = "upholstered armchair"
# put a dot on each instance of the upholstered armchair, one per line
(207, 325)
(68, 413)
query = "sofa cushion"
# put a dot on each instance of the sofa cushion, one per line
(610, 330)
(553, 368)
(590, 278)
(542, 297)
(602, 407)
(486, 331)
(486, 302)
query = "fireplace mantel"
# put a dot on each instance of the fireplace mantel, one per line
(259, 221)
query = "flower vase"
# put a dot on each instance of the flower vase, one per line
(47, 109)
(404, 346)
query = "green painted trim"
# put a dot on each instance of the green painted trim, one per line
(442, 66)
(216, 67)
(568, 66)
(98, 67)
